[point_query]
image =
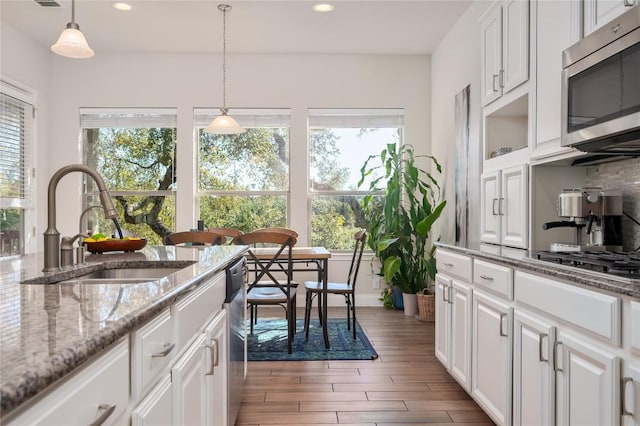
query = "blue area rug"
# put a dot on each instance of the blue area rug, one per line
(269, 342)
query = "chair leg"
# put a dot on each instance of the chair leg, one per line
(320, 308)
(353, 316)
(251, 319)
(347, 301)
(307, 313)
(290, 318)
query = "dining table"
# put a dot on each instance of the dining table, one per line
(306, 259)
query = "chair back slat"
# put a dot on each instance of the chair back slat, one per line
(361, 240)
(197, 237)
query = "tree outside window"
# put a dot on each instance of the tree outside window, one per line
(340, 141)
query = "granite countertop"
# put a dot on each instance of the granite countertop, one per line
(623, 286)
(48, 330)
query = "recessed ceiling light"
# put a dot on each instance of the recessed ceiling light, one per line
(122, 6)
(323, 7)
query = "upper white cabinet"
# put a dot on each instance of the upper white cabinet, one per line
(505, 48)
(599, 12)
(555, 31)
(504, 207)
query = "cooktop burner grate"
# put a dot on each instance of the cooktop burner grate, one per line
(624, 264)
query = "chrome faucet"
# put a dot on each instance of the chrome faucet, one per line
(51, 235)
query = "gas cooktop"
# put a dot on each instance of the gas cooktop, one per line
(618, 263)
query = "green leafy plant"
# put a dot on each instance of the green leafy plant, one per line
(399, 222)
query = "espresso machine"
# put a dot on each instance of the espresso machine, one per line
(597, 216)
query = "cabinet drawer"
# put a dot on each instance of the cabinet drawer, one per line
(99, 390)
(194, 310)
(496, 278)
(152, 349)
(454, 264)
(592, 311)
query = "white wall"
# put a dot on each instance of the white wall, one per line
(454, 65)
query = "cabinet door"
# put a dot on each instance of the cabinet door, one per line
(489, 199)
(631, 395)
(443, 319)
(588, 383)
(533, 375)
(156, 408)
(491, 56)
(491, 356)
(216, 375)
(460, 359)
(513, 207)
(515, 44)
(189, 385)
(599, 12)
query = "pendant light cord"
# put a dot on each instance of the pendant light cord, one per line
(224, 8)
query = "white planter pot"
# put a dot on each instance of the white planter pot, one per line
(410, 302)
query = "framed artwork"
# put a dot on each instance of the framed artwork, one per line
(462, 163)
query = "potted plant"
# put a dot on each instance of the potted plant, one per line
(399, 222)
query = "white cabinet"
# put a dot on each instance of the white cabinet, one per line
(631, 395)
(156, 409)
(491, 356)
(598, 12)
(443, 319)
(216, 376)
(588, 383)
(505, 48)
(189, 383)
(504, 207)
(553, 34)
(98, 394)
(534, 377)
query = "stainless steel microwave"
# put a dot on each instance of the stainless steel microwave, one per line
(601, 89)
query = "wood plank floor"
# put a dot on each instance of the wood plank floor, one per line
(406, 384)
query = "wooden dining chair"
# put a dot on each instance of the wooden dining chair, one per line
(347, 289)
(228, 233)
(193, 237)
(278, 229)
(272, 282)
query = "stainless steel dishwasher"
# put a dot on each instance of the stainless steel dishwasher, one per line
(235, 304)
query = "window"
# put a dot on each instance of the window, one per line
(134, 151)
(16, 123)
(340, 141)
(243, 180)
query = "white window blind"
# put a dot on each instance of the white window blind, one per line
(246, 117)
(118, 118)
(16, 127)
(356, 118)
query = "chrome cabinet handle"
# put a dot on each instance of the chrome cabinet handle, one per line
(541, 337)
(168, 347)
(500, 212)
(495, 82)
(501, 79)
(486, 277)
(450, 288)
(629, 3)
(502, 316)
(555, 356)
(625, 411)
(445, 289)
(107, 410)
(213, 349)
(448, 265)
(493, 207)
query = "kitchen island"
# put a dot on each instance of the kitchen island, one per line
(50, 331)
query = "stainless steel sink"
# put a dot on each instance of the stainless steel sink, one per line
(129, 273)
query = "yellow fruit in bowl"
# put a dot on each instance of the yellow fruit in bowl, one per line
(89, 240)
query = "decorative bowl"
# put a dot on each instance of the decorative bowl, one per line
(115, 245)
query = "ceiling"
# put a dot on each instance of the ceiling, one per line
(187, 26)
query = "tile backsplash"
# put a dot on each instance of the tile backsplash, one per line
(623, 175)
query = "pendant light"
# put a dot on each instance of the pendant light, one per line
(72, 43)
(224, 124)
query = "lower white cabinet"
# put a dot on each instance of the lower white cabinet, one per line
(534, 376)
(588, 383)
(99, 394)
(491, 356)
(453, 328)
(216, 376)
(156, 408)
(631, 395)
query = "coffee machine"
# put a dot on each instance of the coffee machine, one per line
(597, 216)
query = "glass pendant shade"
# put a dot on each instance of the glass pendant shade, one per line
(224, 125)
(72, 43)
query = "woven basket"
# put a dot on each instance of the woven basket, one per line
(426, 306)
